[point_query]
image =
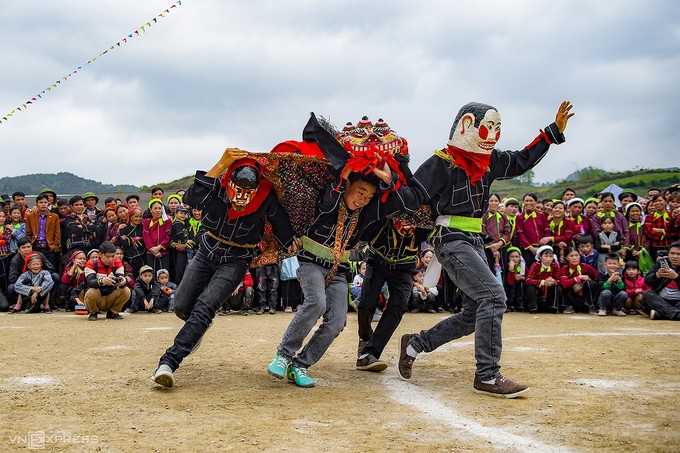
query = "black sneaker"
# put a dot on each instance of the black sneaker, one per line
(405, 364)
(503, 388)
(370, 363)
(112, 315)
(362, 345)
(93, 316)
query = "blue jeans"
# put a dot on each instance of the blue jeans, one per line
(329, 302)
(483, 307)
(608, 301)
(206, 284)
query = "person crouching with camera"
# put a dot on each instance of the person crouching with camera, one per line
(105, 278)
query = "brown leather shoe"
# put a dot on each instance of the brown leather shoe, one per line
(503, 388)
(405, 364)
(362, 345)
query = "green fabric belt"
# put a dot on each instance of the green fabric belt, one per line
(397, 261)
(321, 250)
(468, 224)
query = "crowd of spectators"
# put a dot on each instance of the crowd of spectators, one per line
(553, 255)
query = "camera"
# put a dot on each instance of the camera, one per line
(117, 280)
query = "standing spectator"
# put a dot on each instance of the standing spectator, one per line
(579, 284)
(51, 199)
(543, 290)
(16, 227)
(606, 242)
(664, 279)
(63, 210)
(609, 211)
(569, 194)
(590, 209)
(612, 289)
(267, 288)
(123, 214)
(174, 201)
(581, 221)
(132, 201)
(5, 258)
(560, 231)
(19, 199)
(130, 237)
(44, 231)
(110, 221)
(80, 228)
(194, 234)
(156, 235)
(34, 285)
(636, 237)
(498, 228)
(105, 277)
(547, 206)
(625, 197)
(5, 203)
(91, 209)
(179, 238)
(532, 226)
(635, 287)
(511, 212)
(157, 193)
(660, 228)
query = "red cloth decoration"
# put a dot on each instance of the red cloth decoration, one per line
(263, 189)
(366, 161)
(475, 165)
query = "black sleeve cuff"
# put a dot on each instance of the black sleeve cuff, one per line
(554, 134)
(384, 187)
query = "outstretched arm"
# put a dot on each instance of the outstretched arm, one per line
(229, 156)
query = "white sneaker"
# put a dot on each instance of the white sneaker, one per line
(602, 312)
(163, 376)
(619, 313)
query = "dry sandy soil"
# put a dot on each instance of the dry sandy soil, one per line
(66, 384)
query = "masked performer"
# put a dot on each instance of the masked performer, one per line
(234, 209)
(456, 183)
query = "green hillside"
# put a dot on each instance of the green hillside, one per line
(61, 183)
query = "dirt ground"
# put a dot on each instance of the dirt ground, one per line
(66, 384)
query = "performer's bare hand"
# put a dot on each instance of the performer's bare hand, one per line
(229, 156)
(384, 173)
(563, 115)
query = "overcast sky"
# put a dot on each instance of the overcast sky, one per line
(217, 73)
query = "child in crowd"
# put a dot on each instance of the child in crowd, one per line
(241, 299)
(579, 284)
(194, 240)
(130, 238)
(166, 297)
(146, 292)
(16, 227)
(619, 223)
(156, 235)
(635, 286)
(179, 238)
(588, 253)
(636, 238)
(515, 280)
(357, 284)
(422, 298)
(581, 221)
(612, 289)
(73, 280)
(34, 285)
(606, 241)
(123, 214)
(543, 290)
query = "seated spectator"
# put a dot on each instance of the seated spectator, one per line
(16, 227)
(422, 299)
(166, 297)
(607, 241)
(357, 284)
(17, 264)
(635, 287)
(105, 279)
(129, 276)
(663, 300)
(241, 298)
(612, 289)
(660, 228)
(543, 290)
(44, 231)
(34, 286)
(146, 292)
(579, 283)
(514, 283)
(73, 281)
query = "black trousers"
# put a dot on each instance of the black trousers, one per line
(399, 285)
(536, 302)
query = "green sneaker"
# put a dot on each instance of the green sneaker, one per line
(299, 376)
(278, 367)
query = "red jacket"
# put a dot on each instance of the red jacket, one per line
(530, 228)
(570, 275)
(632, 286)
(157, 234)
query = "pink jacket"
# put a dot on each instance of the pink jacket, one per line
(632, 286)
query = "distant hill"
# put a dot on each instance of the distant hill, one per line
(61, 183)
(172, 186)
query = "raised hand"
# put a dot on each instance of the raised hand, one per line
(563, 115)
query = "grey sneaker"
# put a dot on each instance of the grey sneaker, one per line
(503, 388)
(370, 363)
(405, 364)
(619, 313)
(568, 310)
(163, 376)
(362, 345)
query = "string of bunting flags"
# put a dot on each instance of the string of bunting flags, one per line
(142, 29)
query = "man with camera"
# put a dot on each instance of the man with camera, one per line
(107, 286)
(663, 299)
